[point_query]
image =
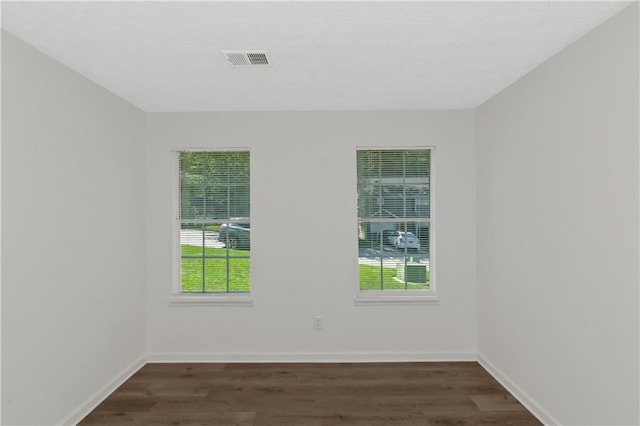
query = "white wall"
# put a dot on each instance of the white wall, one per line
(73, 311)
(558, 230)
(304, 245)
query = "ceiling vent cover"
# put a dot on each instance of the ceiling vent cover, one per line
(248, 58)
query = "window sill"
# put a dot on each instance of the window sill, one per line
(241, 300)
(405, 298)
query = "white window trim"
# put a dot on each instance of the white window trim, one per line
(204, 299)
(177, 298)
(406, 297)
(400, 297)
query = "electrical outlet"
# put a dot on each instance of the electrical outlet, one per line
(317, 323)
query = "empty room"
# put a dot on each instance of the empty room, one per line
(318, 213)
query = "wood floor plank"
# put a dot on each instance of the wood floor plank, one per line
(115, 418)
(497, 402)
(311, 394)
(286, 419)
(189, 404)
(457, 418)
(204, 418)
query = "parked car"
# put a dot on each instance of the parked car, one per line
(235, 235)
(389, 237)
(406, 240)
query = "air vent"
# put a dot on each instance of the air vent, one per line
(240, 58)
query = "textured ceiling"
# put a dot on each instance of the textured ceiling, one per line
(166, 56)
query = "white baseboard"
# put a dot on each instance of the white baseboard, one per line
(529, 403)
(312, 357)
(92, 402)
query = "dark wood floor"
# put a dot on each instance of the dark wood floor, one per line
(363, 394)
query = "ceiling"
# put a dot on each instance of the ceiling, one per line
(345, 55)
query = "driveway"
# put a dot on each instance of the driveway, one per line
(390, 257)
(193, 237)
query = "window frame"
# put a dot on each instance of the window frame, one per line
(403, 297)
(177, 296)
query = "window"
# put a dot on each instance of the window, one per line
(395, 224)
(214, 222)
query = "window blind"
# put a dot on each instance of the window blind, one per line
(214, 186)
(394, 218)
(214, 221)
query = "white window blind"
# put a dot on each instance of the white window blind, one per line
(394, 219)
(214, 219)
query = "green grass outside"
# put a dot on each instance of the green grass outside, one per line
(215, 271)
(370, 279)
